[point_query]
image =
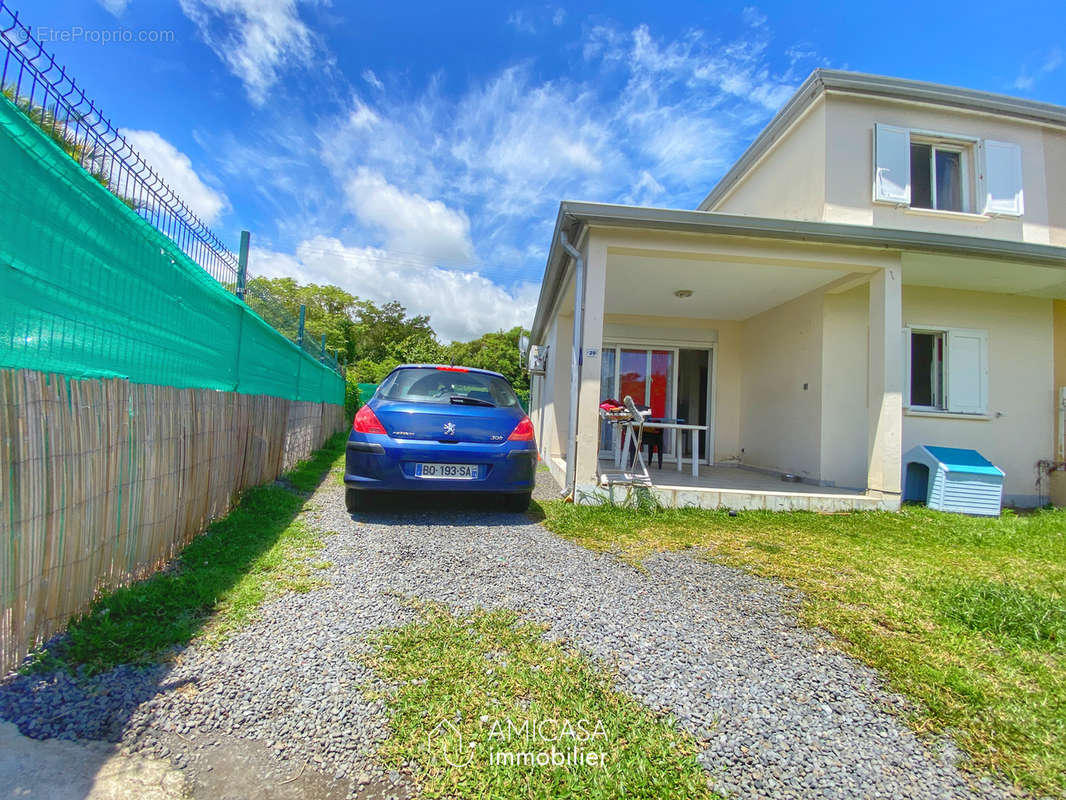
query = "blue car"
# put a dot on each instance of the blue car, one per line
(430, 427)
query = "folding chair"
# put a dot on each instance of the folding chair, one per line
(634, 437)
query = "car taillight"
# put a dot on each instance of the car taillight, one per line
(523, 431)
(366, 421)
(453, 369)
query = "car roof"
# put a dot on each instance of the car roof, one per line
(451, 367)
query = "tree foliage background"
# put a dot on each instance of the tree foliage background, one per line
(374, 339)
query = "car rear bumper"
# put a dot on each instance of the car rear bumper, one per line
(381, 463)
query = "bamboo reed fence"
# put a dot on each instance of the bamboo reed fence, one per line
(103, 481)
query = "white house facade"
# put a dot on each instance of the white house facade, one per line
(883, 268)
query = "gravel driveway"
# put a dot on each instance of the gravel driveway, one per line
(278, 712)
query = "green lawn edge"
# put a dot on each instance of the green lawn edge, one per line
(214, 587)
(965, 616)
(475, 699)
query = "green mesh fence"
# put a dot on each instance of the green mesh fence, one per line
(91, 289)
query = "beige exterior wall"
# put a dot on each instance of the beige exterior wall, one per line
(1020, 426)
(849, 173)
(845, 374)
(561, 382)
(586, 476)
(789, 182)
(781, 388)
(1055, 160)
(1058, 477)
(550, 403)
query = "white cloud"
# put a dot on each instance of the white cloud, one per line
(645, 191)
(559, 17)
(256, 39)
(361, 117)
(174, 167)
(521, 22)
(753, 17)
(1027, 78)
(370, 77)
(461, 305)
(408, 221)
(477, 177)
(517, 142)
(116, 7)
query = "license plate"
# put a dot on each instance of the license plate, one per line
(462, 472)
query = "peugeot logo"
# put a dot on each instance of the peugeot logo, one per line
(449, 428)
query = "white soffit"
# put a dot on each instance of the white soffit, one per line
(720, 290)
(983, 275)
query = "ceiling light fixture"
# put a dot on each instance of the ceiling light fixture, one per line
(682, 293)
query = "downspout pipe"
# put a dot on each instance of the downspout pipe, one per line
(575, 364)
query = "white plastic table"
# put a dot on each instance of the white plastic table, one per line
(674, 426)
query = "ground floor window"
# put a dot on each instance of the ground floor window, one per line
(927, 369)
(947, 370)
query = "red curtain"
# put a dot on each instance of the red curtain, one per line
(660, 376)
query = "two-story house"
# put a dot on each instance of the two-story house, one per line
(884, 267)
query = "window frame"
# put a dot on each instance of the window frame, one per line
(939, 391)
(949, 408)
(945, 144)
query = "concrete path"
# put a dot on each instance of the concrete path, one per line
(53, 769)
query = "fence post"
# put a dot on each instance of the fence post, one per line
(300, 332)
(323, 356)
(242, 263)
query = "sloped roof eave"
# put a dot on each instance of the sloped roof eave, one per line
(574, 216)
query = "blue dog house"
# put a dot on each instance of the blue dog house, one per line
(953, 479)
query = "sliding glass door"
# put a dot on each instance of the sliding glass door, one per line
(647, 375)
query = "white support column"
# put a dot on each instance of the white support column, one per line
(588, 415)
(885, 389)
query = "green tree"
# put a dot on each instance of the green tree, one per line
(330, 309)
(376, 338)
(496, 351)
(382, 332)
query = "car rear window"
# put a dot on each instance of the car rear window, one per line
(433, 385)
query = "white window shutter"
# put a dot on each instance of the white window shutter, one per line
(1003, 178)
(967, 371)
(892, 164)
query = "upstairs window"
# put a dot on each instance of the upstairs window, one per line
(920, 169)
(940, 176)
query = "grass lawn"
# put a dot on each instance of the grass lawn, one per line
(480, 701)
(967, 616)
(215, 586)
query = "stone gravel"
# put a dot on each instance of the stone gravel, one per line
(780, 712)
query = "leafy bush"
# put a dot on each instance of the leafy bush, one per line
(351, 393)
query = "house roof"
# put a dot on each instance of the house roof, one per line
(573, 217)
(828, 80)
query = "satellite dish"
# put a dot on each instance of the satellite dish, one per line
(523, 345)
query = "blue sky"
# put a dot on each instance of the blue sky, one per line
(419, 151)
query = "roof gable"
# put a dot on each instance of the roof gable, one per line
(876, 86)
